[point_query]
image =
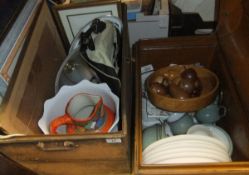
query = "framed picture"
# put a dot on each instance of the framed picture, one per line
(71, 18)
(13, 43)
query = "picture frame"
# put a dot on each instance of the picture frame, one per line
(13, 45)
(72, 17)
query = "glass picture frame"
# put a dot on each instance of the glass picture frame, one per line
(71, 18)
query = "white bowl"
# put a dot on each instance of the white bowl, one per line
(200, 130)
(55, 106)
(215, 132)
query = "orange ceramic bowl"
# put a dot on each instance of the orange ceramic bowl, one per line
(209, 81)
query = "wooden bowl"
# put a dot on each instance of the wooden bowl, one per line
(209, 81)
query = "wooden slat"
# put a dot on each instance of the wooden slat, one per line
(35, 83)
(83, 167)
(8, 166)
(233, 35)
(185, 50)
(26, 101)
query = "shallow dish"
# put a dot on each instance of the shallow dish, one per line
(200, 129)
(198, 150)
(55, 106)
(183, 144)
(187, 153)
(188, 160)
(209, 81)
(223, 136)
(175, 139)
(215, 132)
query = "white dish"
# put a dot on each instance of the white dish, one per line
(186, 160)
(190, 144)
(184, 137)
(55, 106)
(215, 132)
(211, 149)
(223, 136)
(188, 152)
(200, 130)
(185, 143)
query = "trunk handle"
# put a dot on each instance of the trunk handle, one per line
(66, 146)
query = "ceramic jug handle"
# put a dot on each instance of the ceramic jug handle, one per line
(62, 120)
(224, 111)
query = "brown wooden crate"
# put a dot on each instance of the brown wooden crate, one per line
(227, 56)
(47, 154)
(205, 51)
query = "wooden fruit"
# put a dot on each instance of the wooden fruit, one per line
(189, 73)
(187, 85)
(177, 92)
(158, 89)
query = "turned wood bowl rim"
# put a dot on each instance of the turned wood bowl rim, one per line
(171, 100)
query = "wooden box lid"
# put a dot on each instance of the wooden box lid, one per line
(233, 37)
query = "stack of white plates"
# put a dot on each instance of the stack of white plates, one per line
(215, 132)
(186, 149)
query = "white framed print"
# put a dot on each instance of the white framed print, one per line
(71, 18)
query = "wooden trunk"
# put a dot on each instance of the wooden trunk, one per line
(34, 83)
(227, 54)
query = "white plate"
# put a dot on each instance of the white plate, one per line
(176, 139)
(215, 132)
(189, 152)
(184, 155)
(184, 144)
(223, 136)
(186, 160)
